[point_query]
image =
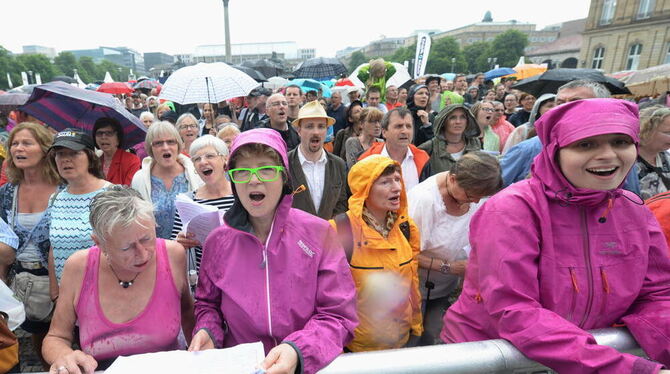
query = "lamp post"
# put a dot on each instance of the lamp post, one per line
(227, 29)
(453, 60)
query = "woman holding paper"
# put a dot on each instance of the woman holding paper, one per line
(209, 155)
(272, 273)
(134, 299)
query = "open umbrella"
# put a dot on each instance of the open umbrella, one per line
(115, 88)
(11, 101)
(64, 78)
(206, 83)
(26, 89)
(255, 74)
(499, 72)
(266, 67)
(146, 84)
(320, 68)
(61, 105)
(524, 71)
(311, 85)
(276, 82)
(551, 80)
(650, 81)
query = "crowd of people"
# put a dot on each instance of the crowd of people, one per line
(437, 212)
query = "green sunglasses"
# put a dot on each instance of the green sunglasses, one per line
(268, 173)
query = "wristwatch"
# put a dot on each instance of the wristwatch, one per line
(445, 268)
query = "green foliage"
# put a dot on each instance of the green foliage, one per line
(357, 58)
(63, 64)
(441, 53)
(508, 47)
(476, 55)
(403, 54)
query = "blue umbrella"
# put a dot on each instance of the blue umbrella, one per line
(61, 105)
(311, 85)
(499, 72)
(448, 76)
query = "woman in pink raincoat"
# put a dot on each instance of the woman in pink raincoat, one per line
(569, 251)
(273, 273)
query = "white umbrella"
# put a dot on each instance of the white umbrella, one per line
(206, 83)
(276, 82)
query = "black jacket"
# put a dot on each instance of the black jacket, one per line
(290, 136)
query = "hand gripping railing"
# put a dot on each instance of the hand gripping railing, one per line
(489, 356)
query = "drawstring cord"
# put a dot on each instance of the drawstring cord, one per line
(573, 276)
(603, 217)
(298, 190)
(606, 283)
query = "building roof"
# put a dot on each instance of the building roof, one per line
(560, 45)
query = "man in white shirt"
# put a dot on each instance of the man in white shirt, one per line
(398, 130)
(317, 177)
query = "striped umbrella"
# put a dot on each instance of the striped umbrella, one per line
(61, 105)
(206, 83)
(320, 68)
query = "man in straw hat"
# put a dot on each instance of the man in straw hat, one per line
(322, 174)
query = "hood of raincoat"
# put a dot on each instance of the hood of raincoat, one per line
(410, 97)
(471, 130)
(237, 216)
(361, 177)
(573, 121)
(536, 107)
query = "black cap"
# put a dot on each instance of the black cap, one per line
(74, 139)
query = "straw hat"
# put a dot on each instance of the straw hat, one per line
(313, 110)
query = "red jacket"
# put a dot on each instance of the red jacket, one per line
(123, 167)
(420, 157)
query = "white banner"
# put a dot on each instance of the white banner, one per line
(422, 51)
(38, 78)
(9, 81)
(24, 78)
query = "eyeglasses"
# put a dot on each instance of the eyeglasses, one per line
(263, 173)
(489, 110)
(101, 133)
(159, 143)
(499, 110)
(279, 103)
(184, 127)
(205, 157)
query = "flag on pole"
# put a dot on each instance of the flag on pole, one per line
(24, 78)
(422, 49)
(9, 81)
(38, 78)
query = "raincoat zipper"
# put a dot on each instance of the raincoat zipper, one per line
(589, 273)
(267, 281)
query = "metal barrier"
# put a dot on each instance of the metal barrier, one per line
(489, 356)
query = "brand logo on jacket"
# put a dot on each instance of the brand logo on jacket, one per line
(305, 249)
(610, 249)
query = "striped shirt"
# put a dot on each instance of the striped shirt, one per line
(195, 253)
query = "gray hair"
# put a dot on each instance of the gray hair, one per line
(118, 207)
(599, 90)
(209, 141)
(158, 129)
(183, 117)
(267, 103)
(228, 127)
(144, 115)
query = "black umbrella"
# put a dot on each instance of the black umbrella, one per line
(551, 80)
(254, 74)
(320, 68)
(266, 67)
(64, 78)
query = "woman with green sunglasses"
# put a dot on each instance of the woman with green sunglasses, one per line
(271, 272)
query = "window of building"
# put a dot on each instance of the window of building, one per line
(598, 57)
(667, 54)
(609, 7)
(634, 56)
(646, 9)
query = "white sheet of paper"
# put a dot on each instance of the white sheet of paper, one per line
(241, 359)
(188, 208)
(202, 224)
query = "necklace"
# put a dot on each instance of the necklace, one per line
(124, 284)
(460, 141)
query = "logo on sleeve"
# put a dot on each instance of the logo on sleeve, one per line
(305, 249)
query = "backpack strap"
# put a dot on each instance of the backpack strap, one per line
(345, 234)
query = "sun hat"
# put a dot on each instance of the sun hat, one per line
(313, 110)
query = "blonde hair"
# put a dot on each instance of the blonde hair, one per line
(162, 128)
(370, 114)
(650, 119)
(44, 138)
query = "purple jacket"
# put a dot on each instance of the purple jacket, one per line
(550, 261)
(297, 289)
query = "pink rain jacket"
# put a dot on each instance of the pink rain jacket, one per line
(550, 261)
(296, 289)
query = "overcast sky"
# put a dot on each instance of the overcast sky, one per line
(179, 26)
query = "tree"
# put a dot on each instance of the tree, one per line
(8, 64)
(66, 62)
(89, 71)
(508, 47)
(403, 54)
(441, 53)
(38, 64)
(476, 55)
(357, 58)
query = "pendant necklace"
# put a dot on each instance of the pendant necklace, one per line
(124, 284)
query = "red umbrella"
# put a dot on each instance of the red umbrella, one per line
(344, 82)
(115, 88)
